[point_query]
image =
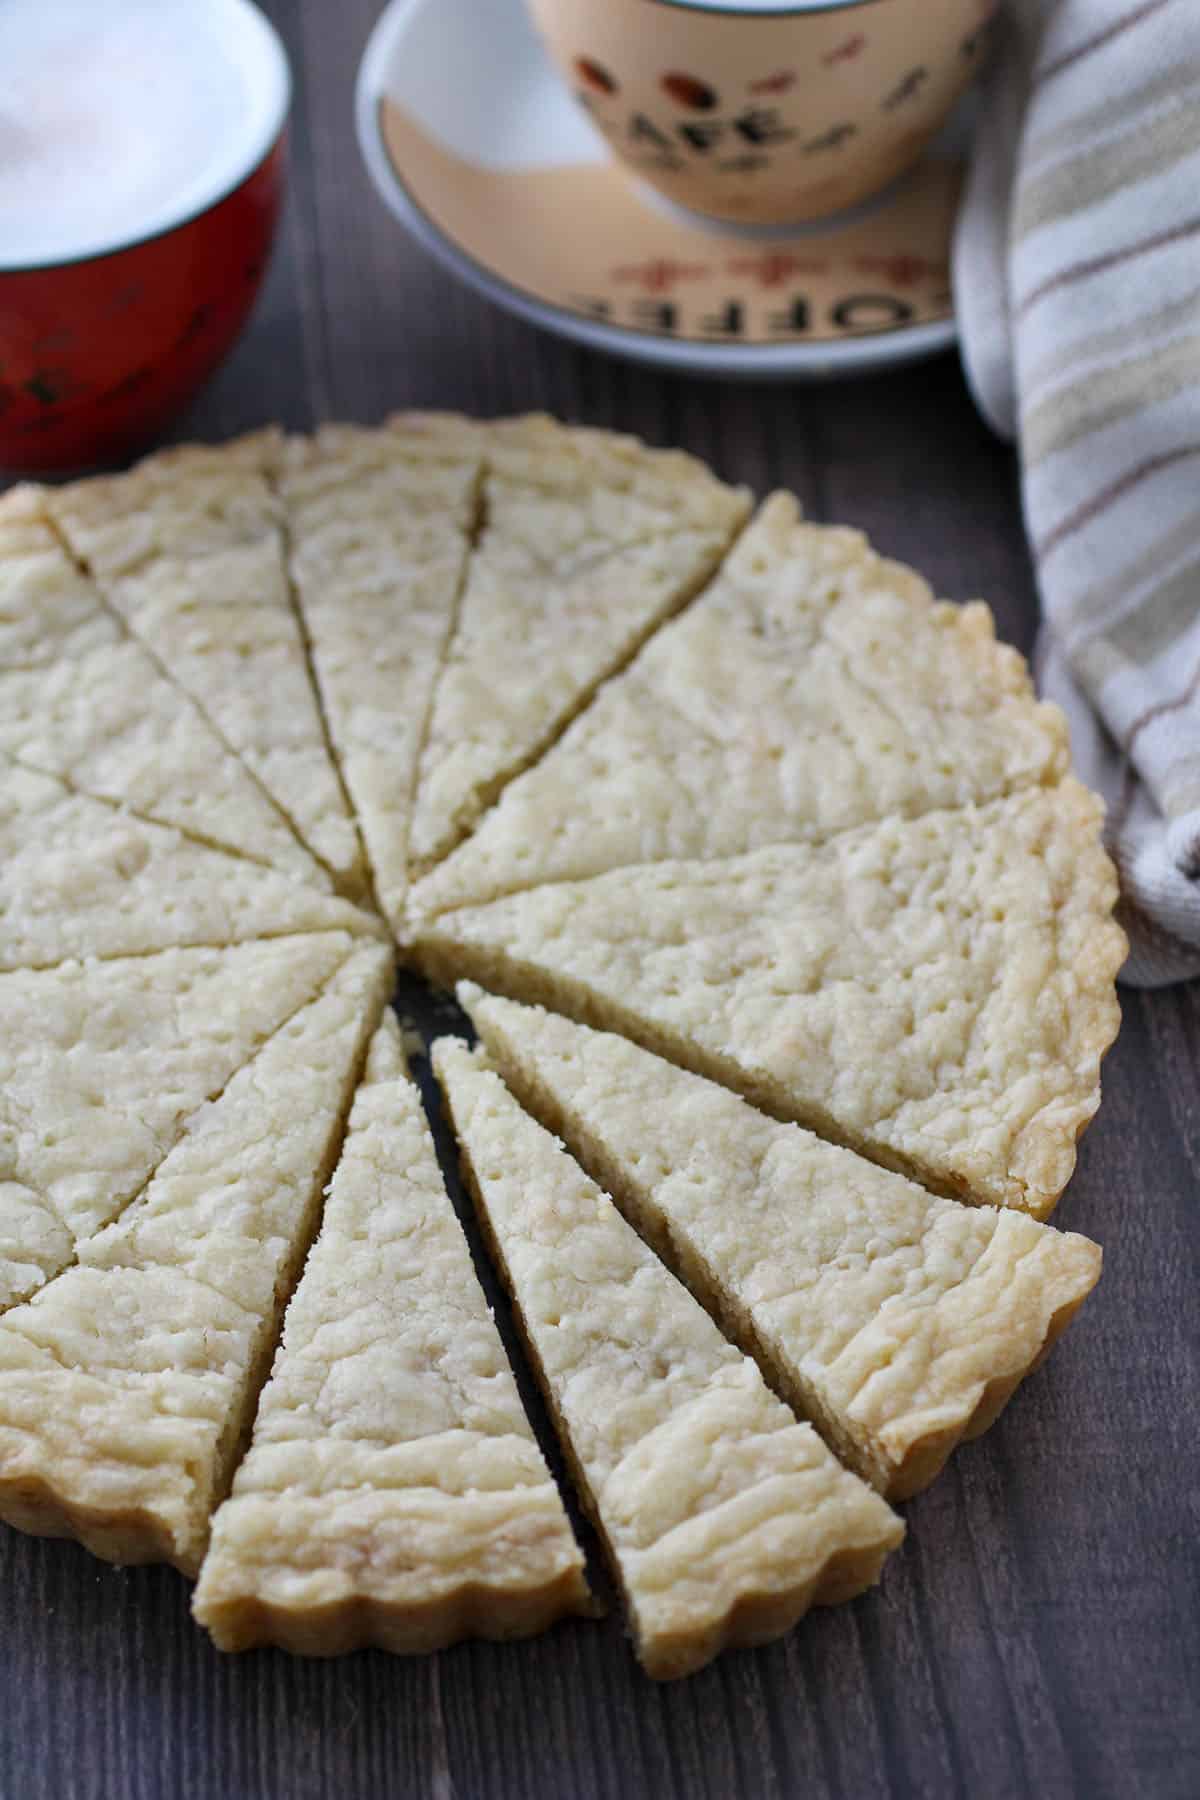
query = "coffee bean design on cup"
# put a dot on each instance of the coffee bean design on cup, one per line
(687, 91)
(595, 77)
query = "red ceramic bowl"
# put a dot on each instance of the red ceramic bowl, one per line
(99, 352)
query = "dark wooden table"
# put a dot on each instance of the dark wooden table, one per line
(1040, 1632)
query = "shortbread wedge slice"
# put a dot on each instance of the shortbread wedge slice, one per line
(128, 1383)
(725, 1518)
(811, 688)
(188, 548)
(589, 542)
(378, 525)
(83, 700)
(81, 878)
(897, 1322)
(393, 1494)
(103, 1065)
(935, 992)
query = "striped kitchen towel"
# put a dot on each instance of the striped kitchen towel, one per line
(1077, 279)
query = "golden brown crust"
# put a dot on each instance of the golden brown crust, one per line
(499, 1613)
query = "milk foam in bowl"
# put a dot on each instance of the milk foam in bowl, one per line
(141, 165)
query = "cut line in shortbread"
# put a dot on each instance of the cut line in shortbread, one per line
(187, 547)
(103, 1065)
(898, 1322)
(128, 1383)
(589, 542)
(81, 878)
(937, 992)
(813, 687)
(82, 700)
(378, 530)
(725, 1518)
(393, 1493)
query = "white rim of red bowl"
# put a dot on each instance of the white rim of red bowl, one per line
(762, 362)
(259, 43)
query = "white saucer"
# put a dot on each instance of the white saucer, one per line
(477, 147)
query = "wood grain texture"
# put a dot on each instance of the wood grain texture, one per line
(1040, 1632)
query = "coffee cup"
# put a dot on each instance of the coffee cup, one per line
(761, 111)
